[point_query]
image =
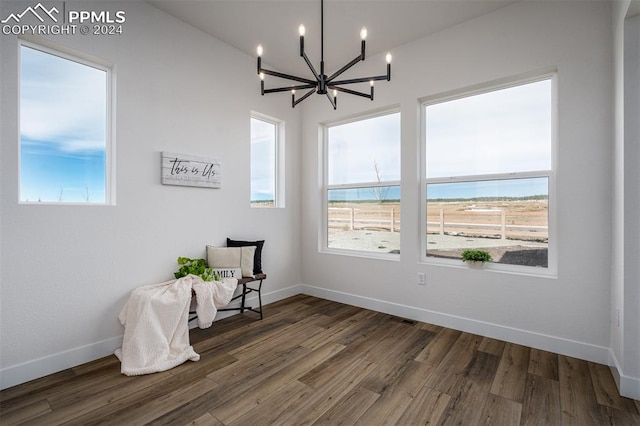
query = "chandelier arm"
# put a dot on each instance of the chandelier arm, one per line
(353, 92)
(346, 67)
(290, 88)
(310, 65)
(334, 101)
(287, 76)
(295, 102)
(361, 80)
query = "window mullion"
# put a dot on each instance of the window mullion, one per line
(363, 185)
(487, 177)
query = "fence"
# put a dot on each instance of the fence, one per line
(479, 223)
(488, 223)
(353, 218)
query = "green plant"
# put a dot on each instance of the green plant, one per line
(476, 256)
(195, 267)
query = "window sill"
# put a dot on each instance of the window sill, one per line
(530, 271)
(361, 254)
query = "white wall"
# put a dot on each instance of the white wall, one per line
(66, 271)
(632, 200)
(617, 225)
(569, 314)
(631, 307)
(625, 281)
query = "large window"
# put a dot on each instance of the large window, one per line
(362, 185)
(488, 175)
(266, 141)
(64, 128)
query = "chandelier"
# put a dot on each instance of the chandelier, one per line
(322, 84)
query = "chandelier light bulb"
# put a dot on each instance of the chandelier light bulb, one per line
(363, 33)
(335, 93)
(301, 30)
(259, 50)
(371, 83)
(388, 58)
(262, 76)
(293, 91)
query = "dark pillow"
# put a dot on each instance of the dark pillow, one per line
(257, 257)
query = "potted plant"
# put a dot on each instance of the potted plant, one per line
(195, 267)
(476, 258)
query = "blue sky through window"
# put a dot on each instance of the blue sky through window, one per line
(63, 124)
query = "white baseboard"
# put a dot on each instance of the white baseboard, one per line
(585, 351)
(21, 373)
(628, 386)
(34, 369)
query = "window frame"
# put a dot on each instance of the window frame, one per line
(325, 187)
(279, 172)
(551, 271)
(110, 146)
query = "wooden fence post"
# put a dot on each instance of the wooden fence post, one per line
(503, 225)
(441, 221)
(353, 214)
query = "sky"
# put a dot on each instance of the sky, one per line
(263, 160)
(502, 131)
(63, 139)
(355, 148)
(63, 122)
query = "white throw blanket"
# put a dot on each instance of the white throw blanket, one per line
(156, 317)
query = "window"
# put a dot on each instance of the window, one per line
(64, 128)
(488, 175)
(267, 135)
(362, 185)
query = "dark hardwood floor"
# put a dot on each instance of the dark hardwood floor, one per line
(312, 361)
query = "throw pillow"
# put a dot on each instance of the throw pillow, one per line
(257, 258)
(232, 257)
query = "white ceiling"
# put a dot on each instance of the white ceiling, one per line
(244, 24)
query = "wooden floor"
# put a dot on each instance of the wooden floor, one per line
(312, 361)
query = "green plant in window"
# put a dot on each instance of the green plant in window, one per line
(476, 256)
(194, 267)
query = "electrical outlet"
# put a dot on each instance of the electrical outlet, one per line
(421, 279)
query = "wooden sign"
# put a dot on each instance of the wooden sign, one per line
(187, 170)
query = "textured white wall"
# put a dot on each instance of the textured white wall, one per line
(569, 314)
(625, 278)
(66, 271)
(632, 200)
(617, 226)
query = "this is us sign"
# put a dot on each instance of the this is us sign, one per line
(187, 170)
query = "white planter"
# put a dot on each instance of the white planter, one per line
(475, 265)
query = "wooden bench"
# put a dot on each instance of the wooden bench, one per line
(246, 289)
